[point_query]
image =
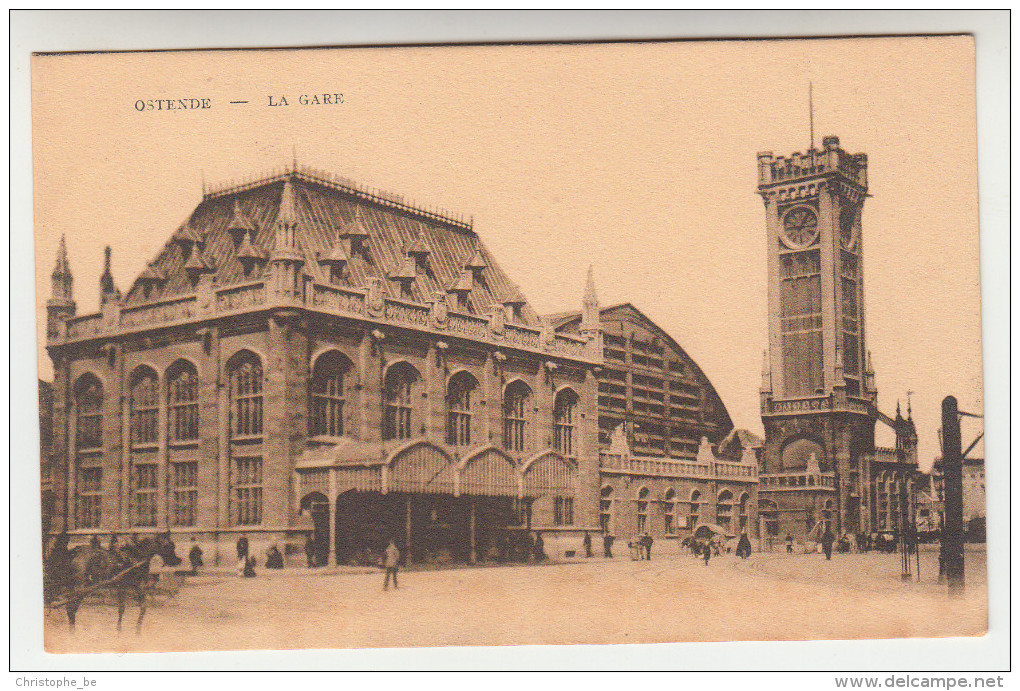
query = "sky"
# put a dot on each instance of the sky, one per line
(636, 159)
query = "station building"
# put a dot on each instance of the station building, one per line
(305, 356)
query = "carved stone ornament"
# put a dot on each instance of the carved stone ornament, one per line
(497, 320)
(439, 312)
(376, 297)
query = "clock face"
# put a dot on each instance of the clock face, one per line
(848, 226)
(800, 227)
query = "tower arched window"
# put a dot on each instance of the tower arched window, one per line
(144, 407)
(246, 396)
(606, 509)
(458, 400)
(668, 504)
(563, 414)
(695, 510)
(88, 409)
(328, 394)
(399, 391)
(642, 510)
(182, 402)
(724, 509)
(516, 400)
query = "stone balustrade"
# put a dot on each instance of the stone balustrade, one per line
(674, 467)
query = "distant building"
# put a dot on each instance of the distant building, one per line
(819, 402)
(670, 459)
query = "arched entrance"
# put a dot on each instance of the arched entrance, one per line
(316, 505)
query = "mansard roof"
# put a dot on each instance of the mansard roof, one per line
(324, 208)
(569, 322)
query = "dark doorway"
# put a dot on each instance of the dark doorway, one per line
(317, 506)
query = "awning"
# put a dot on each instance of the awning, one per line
(345, 451)
(708, 529)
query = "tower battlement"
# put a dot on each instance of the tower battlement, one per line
(831, 158)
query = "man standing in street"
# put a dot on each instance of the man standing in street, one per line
(242, 548)
(827, 539)
(391, 559)
(607, 545)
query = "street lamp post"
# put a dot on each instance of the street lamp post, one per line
(952, 469)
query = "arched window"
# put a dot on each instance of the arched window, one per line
(606, 509)
(563, 413)
(642, 510)
(458, 400)
(668, 504)
(724, 509)
(182, 402)
(144, 407)
(246, 396)
(516, 399)
(88, 408)
(246, 421)
(328, 394)
(695, 508)
(399, 394)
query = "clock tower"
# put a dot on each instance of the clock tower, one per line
(818, 396)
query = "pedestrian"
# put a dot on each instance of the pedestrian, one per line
(647, 541)
(242, 547)
(390, 562)
(789, 543)
(706, 552)
(195, 557)
(607, 545)
(539, 547)
(249, 567)
(94, 542)
(827, 539)
(274, 559)
(743, 546)
(113, 542)
(587, 545)
(310, 550)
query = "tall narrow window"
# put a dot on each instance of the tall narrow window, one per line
(182, 402)
(185, 493)
(399, 394)
(248, 490)
(563, 413)
(458, 400)
(246, 396)
(146, 485)
(144, 407)
(88, 409)
(515, 415)
(642, 510)
(743, 512)
(328, 394)
(88, 414)
(563, 511)
(668, 502)
(90, 496)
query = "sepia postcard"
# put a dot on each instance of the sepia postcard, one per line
(492, 345)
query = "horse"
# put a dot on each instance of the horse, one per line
(83, 570)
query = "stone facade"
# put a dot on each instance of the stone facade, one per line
(307, 357)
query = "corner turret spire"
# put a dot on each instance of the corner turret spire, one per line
(63, 281)
(590, 317)
(107, 290)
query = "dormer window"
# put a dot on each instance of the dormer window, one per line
(239, 226)
(419, 250)
(461, 287)
(405, 276)
(514, 302)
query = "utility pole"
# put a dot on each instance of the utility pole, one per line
(952, 471)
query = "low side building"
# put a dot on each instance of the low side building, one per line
(670, 457)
